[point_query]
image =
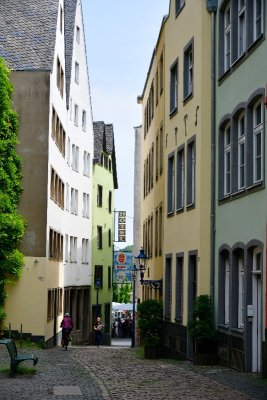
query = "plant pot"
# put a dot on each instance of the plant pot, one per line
(206, 353)
(153, 352)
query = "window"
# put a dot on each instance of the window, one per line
(60, 78)
(85, 205)
(68, 151)
(241, 27)
(76, 115)
(85, 251)
(75, 158)
(109, 238)
(161, 73)
(58, 132)
(99, 237)
(191, 167)
(55, 245)
(226, 291)
(170, 192)
(66, 248)
(99, 195)
(84, 121)
(161, 150)
(241, 152)
(227, 160)
(180, 179)
(160, 229)
(61, 19)
(227, 38)
(86, 163)
(109, 278)
(174, 87)
(179, 5)
(57, 189)
(77, 71)
(179, 289)
(241, 304)
(99, 274)
(188, 70)
(258, 142)
(67, 197)
(74, 201)
(156, 231)
(73, 249)
(168, 288)
(78, 34)
(157, 86)
(157, 157)
(258, 18)
(110, 202)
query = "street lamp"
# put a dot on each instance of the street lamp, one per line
(97, 287)
(141, 264)
(134, 276)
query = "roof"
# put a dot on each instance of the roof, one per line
(29, 27)
(27, 34)
(104, 141)
(69, 13)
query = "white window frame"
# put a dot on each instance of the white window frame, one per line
(241, 152)
(227, 37)
(73, 249)
(85, 251)
(74, 201)
(227, 157)
(76, 114)
(66, 248)
(242, 27)
(86, 199)
(67, 197)
(75, 158)
(77, 72)
(84, 120)
(241, 297)
(258, 19)
(174, 87)
(257, 132)
(190, 71)
(86, 163)
(227, 292)
(78, 34)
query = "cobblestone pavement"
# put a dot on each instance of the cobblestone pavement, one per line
(118, 373)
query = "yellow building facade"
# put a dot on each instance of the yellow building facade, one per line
(152, 193)
(177, 133)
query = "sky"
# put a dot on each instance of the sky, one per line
(120, 38)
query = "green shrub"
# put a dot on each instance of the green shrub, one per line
(201, 329)
(150, 322)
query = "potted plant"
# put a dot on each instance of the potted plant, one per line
(150, 323)
(202, 332)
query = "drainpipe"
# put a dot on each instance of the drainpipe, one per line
(212, 8)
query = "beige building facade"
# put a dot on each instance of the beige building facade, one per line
(152, 162)
(176, 202)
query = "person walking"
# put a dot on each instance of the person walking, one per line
(98, 327)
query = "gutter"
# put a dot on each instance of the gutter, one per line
(212, 8)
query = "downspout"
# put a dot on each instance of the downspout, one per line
(212, 7)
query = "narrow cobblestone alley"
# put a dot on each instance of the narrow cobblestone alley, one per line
(118, 373)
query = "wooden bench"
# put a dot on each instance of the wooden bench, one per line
(15, 358)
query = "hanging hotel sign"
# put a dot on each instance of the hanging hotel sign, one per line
(121, 226)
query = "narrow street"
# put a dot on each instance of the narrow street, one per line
(118, 372)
